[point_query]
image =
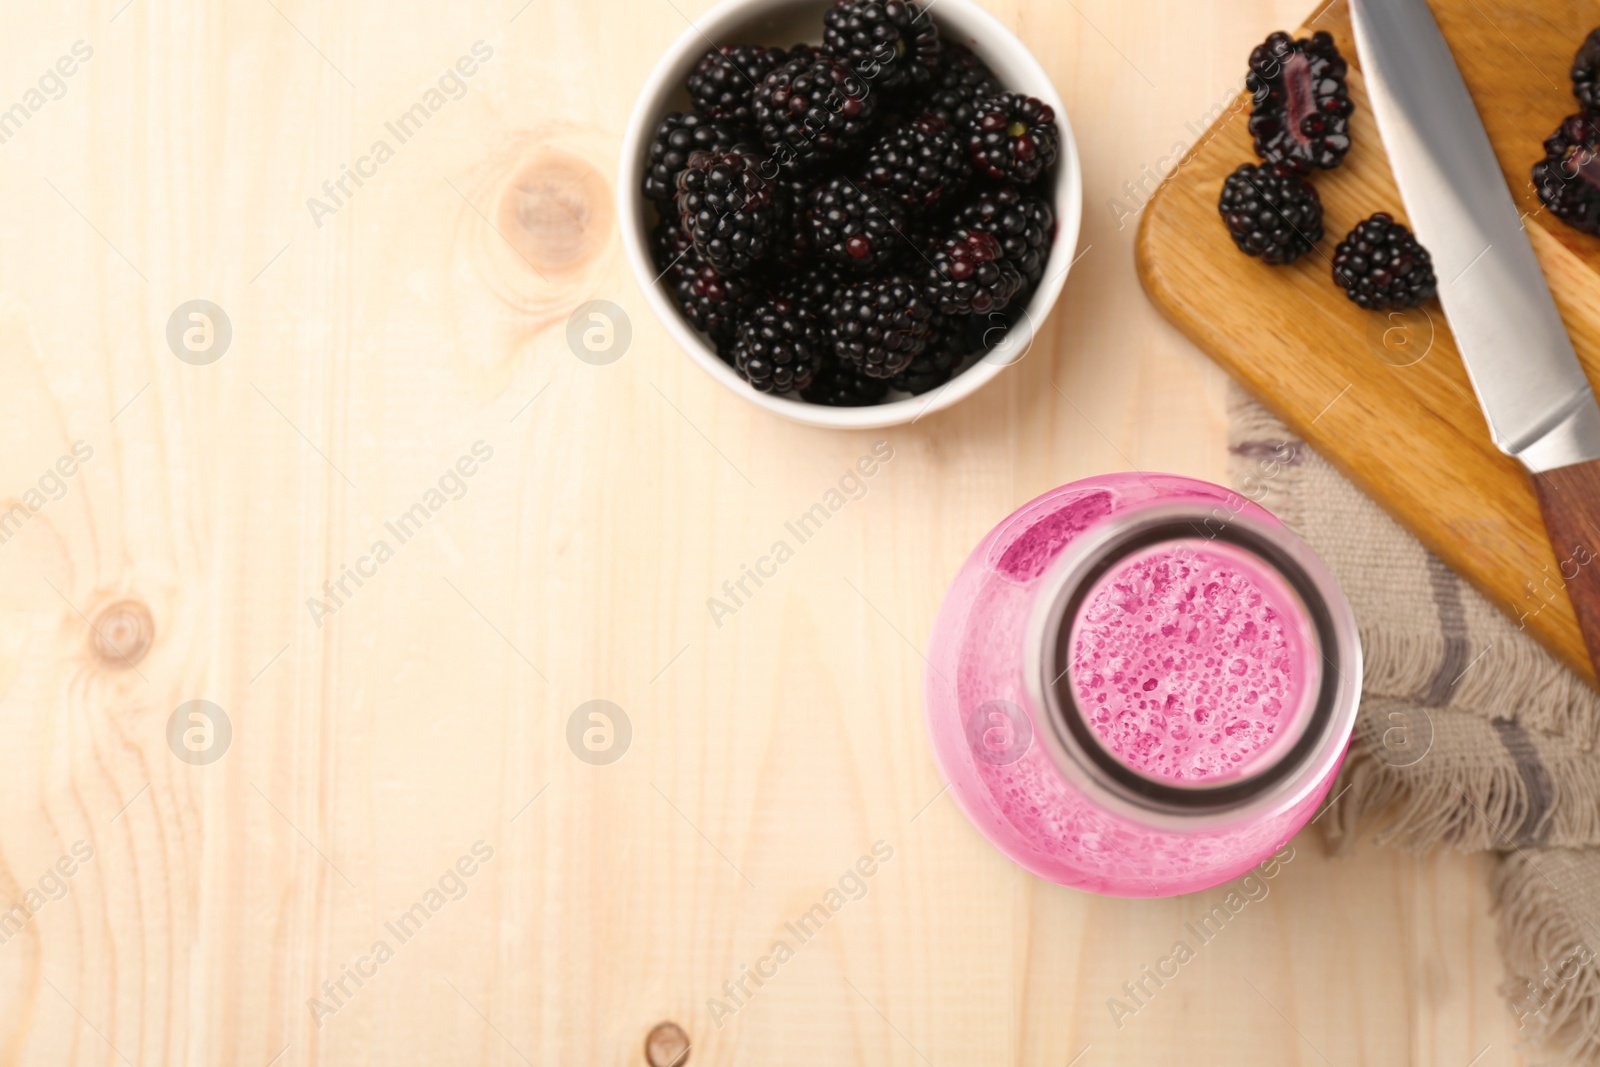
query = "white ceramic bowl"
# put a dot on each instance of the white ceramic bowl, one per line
(786, 22)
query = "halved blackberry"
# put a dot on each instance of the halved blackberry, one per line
(732, 211)
(677, 137)
(711, 300)
(779, 345)
(1276, 217)
(969, 274)
(1380, 266)
(879, 325)
(920, 162)
(1300, 108)
(1013, 137)
(1023, 222)
(724, 80)
(960, 83)
(1567, 179)
(811, 108)
(881, 40)
(853, 227)
(839, 385)
(1586, 73)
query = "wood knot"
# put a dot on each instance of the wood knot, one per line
(666, 1046)
(540, 223)
(557, 212)
(122, 633)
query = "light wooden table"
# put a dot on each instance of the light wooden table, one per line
(375, 340)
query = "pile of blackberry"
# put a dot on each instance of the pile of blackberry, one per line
(1567, 179)
(854, 221)
(1300, 123)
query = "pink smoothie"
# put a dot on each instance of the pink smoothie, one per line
(990, 737)
(1191, 663)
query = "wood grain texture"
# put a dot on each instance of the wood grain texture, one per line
(1569, 499)
(1385, 396)
(374, 746)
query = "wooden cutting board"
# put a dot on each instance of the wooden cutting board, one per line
(1385, 398)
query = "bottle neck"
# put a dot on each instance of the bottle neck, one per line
(1320, 726)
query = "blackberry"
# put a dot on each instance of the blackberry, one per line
(1013, 137)
(959, 85)
(711, 300)
(669, 246)
(907, 100)
(1300, 110)
(980, 334)
(883, 41)
(792, 250)
(1276, 217)
(812, 108)
(934, 367)
(854, 228)
(840, 385)
(1586, 73)
(677, 138)
(1023, 222)
(969, 274)
(879, 325)
(733, 212)
(920, 162)
(814, 286)
(722, 83)
(1567, 179)
(779, 345)
(1380, 265)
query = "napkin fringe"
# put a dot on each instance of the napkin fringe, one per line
(1417, 812)
(1555, 986)
(1514, 681)
(1511, 680)
(1479, 785)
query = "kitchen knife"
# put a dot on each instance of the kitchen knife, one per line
(1539, 405)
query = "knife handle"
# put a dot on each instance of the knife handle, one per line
(1570, 500)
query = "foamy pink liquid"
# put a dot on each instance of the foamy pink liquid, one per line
(975, 686)
(1190, 661)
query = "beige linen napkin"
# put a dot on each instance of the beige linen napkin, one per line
(1470, 735)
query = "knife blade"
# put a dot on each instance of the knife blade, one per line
(1535, 396)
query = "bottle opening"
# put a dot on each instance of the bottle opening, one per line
(1187, 666)
(1193, 662)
